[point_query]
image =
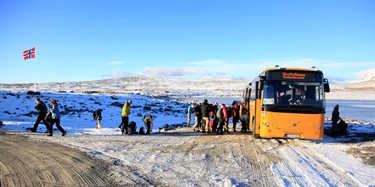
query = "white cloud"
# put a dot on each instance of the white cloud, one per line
(248, 70)
(119, 74)
(213, 62)
(114, 62)
(173, 71)
(309, 62)
(334, 70)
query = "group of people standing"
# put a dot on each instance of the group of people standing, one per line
(49, 118)
(209, 118)
(214, 118)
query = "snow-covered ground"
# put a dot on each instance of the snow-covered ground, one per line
(307, 163)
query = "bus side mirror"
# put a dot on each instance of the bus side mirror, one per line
(261, 82)
(260, 85)
(258, 90)
(326, 85)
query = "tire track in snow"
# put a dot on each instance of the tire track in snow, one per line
(305, 167)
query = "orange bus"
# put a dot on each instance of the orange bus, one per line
(287, 103)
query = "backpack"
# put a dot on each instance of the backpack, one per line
(229, 112)
(141, 130)
(219, 113)
(343, 128)
(44, 107)
(132, 126)
(97, 115)
(235, 111)
(186, 110)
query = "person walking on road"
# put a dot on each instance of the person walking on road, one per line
(41, 107)
(55, 115)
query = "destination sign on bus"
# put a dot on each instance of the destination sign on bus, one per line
(293, 75)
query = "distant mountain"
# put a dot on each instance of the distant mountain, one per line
(151, 86)
(179, 87)
(367, 75)
(363, 87)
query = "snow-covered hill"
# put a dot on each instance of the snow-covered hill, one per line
(362, 89)
(367, 75)
(151, 86)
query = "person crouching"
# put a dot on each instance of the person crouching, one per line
(148, 122)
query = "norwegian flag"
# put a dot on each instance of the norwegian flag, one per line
(29, 54)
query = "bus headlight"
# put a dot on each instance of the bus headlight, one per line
(269, 124)
(317, 126)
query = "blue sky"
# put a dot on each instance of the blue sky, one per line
(90, 40)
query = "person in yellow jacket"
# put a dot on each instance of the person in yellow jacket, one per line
(125, 117)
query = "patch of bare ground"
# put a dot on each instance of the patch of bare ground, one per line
(366, 153)
(26, 162)
(363, 148)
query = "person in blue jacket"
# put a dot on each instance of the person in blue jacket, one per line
(55, 115)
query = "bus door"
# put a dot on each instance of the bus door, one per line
(257, 108)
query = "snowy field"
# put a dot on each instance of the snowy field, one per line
(175, 157)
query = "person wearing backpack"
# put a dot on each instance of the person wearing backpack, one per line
(97, 115)
(221, 115)
(189, 111)
(214, 120)
(55, 114)
(42, 111)
(226, 118)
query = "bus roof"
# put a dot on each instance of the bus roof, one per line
(292, 69)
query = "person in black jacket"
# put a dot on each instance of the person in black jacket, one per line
(335, 119)
(197, 117)
(42, 111)
(97, 115)
(205, 108)
(245, 118)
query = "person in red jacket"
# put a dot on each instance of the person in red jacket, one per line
(221, 119)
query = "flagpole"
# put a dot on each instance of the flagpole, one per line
(35, 74)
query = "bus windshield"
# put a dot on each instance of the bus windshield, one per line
(291, 95)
